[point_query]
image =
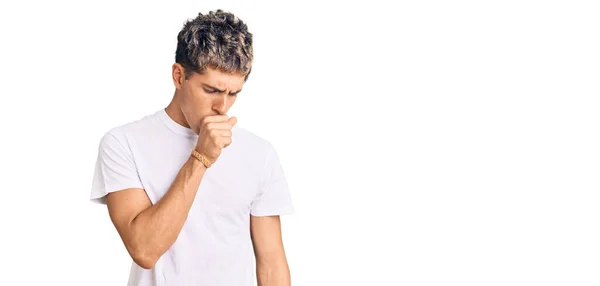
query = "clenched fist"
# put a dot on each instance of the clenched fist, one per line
(214, 134)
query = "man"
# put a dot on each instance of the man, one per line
(195, 199)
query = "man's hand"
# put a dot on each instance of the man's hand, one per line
(214, 134)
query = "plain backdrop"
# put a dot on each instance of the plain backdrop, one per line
(425, 142)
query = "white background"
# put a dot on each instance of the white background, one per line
(426, 143)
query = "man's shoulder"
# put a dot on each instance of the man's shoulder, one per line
(130, 128)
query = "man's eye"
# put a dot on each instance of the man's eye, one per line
(210, 91)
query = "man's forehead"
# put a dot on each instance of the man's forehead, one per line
(222, 80)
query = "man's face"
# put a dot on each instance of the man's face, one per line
(210, 93)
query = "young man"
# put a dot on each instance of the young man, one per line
(195, 199)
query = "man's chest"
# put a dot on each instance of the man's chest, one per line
(231, 184)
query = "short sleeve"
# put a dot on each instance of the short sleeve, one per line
(115, 169)
(273, 197)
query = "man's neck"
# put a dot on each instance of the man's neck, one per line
(174, 112)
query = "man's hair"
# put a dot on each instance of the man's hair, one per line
(218, 40)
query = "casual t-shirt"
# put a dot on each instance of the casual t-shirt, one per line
(214, 247)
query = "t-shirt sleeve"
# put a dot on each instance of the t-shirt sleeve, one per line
(115, 169)
(273, 197)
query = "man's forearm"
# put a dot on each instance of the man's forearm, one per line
(156, 228)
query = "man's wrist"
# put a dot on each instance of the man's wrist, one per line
(201, 158)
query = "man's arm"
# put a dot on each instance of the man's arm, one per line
(271, 263)
(149, 230)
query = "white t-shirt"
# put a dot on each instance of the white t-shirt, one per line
(214, 247)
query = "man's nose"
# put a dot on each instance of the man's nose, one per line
(220, 104)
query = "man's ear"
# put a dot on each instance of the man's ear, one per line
(178, 75)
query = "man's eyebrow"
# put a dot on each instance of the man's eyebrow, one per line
(219, 90)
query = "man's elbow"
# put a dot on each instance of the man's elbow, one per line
(274, 273)
(145, 262)
(143, 258)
